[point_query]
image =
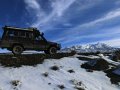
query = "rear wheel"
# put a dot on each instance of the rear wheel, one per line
(17, 49)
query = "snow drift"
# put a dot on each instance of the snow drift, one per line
(44, 77)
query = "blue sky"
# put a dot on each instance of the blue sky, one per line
(69, 22)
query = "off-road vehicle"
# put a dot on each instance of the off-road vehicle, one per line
(18, 40)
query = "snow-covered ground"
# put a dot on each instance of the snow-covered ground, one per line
(33, 77)
(109, 60)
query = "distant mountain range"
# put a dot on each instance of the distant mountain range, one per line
(99, 47)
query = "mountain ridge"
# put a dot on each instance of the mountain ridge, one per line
(98, 47)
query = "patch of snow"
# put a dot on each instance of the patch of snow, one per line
(32, 78)
(32, 52)
(90, 56)
(109, 60)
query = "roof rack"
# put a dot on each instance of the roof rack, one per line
(16, 28)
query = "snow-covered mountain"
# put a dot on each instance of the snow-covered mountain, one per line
(101, 47)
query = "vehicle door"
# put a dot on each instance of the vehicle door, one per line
(26, 38)
(40, 43)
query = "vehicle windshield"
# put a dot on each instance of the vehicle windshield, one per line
(39, 38)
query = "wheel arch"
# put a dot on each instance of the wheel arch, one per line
(14, 44)
(52, 46)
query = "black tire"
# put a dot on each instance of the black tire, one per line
(17, 49)
(52, 50)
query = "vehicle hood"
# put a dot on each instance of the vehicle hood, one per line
(52, 42)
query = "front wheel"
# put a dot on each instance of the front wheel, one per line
(17, 49)
(51, 50)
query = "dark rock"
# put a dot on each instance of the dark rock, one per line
(10, 60)
(49, 83)
(71, 71)
(85, 58)
(79, 88)
(45, 74)
(15, 82)
(89, 70)
(100, 64)
(61, 86)
(55, 68)
(114, 78)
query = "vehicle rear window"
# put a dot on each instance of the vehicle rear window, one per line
(10, 33)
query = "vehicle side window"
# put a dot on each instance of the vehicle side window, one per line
(29, 35)
(19, 34)
(12, 33)
(22, 34)
(39, 38)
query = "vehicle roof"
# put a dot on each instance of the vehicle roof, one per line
(16, 28)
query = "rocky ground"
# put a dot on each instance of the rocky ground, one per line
(62, 71)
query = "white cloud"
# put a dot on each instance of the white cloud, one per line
(65, 39)
(32, 4)
(110, 15)
(113, 42)
(34, 8)
(117, 2)
(81, 28)
(59, 8)
(86, 4)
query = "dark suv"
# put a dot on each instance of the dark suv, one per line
(18, 40)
